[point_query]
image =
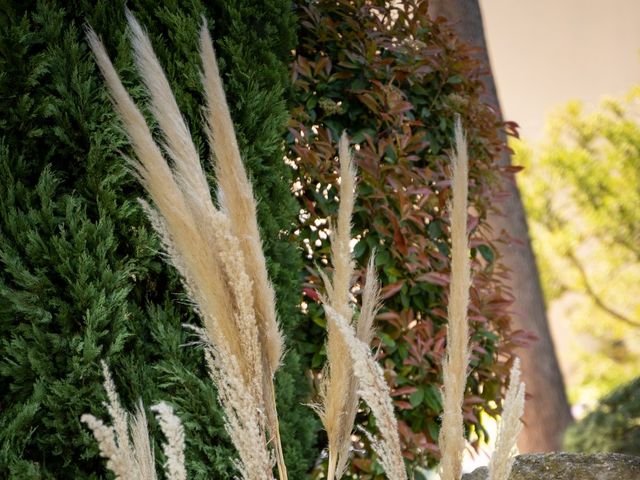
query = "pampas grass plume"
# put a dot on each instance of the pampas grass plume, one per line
(339, 400)
(113, 443)
(455, 363)
(202, 242)
(174, 446)
(236, 199)
(509, 427)
(372, 386)
(133, 459)
(145, 458)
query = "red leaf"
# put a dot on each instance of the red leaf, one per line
(362, 464)
(388, 316)
(402, 405)
(404, 391)
(369, 101)
(303, 67)
(391, 289)
(439, 312)
(400, 107)
(311, 293)
(435, 278)
(324, 63)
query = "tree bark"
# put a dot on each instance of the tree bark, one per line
(547, 412)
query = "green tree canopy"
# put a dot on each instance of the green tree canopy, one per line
(583, 199)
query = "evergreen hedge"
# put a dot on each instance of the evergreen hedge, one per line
(613, 426)
(81, 279)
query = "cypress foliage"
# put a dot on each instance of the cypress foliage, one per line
(80, 276)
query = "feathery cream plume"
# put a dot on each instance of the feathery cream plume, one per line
(177, 139)
(144, 456)
(202, 245)
(235, 197)
(509, 427)
(338, 391)
(128, 460)
(244, 417)
(119, 416)
(237, 200)
(174, 446)
(343, 263)
(118, 461)
(374, 390)
(455, 364)
(370, 303)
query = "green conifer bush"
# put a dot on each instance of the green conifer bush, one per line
(81, 279)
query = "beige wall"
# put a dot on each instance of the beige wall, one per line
(546, 52)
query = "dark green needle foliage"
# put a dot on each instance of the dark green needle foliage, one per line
(80, 275)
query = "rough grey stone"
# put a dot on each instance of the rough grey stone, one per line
(569, 466)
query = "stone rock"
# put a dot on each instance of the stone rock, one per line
(569, 466)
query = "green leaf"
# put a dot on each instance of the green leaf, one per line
(359, 249)
(416, 397)
(433, 429)
(318, 360)
(387, 340)
(321, 321)
(382, 258)
(311, 102)
(486, 252)
(421, 474)
(390, 154)
(432, 398)
(434, 230)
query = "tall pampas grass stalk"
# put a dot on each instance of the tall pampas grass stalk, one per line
(126, 445)
(202, 243)
(509, 427)
(235, 197)
(352, 372)
(451, 440)
(338, 391)
(372, 386)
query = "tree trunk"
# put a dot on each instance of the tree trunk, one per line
(547, 412)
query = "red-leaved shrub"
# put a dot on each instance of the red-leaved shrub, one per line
(395, 80)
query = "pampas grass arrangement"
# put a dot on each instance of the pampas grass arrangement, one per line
(241, 336)
(215, 245)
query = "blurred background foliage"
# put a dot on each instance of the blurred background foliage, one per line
(583, 200)
(613, 426)
(582, 194)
